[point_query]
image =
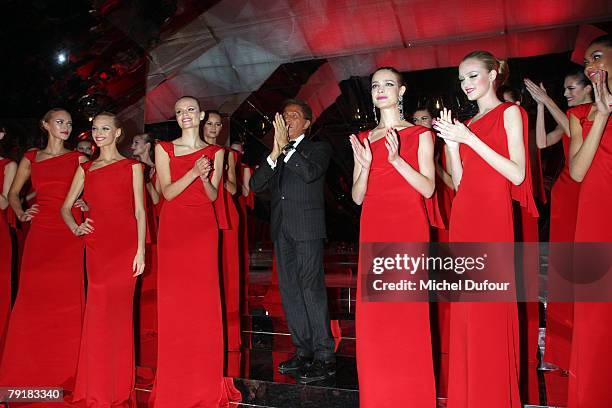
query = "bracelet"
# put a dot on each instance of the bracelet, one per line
(74, 230)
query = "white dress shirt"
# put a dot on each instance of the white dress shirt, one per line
(297, 141)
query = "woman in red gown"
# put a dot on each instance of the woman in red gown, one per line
(246, 198)
(143, 146)
(42, 343)
(445, 191)
(563, 207)
(488, 167)
(190, 329)
(229, 243)
(590, 165)
(113, 189)
(8, 169)
(393, 177)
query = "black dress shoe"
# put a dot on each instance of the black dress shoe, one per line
(318, 371)
(295, 363)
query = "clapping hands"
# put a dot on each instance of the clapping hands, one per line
(281, 136)
(202, 167)
(451, 130)
(538, 93)
(362, 153)
(603, 97)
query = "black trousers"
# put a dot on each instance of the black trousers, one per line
(302, 286)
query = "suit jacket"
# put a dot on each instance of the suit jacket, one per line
(296, 189)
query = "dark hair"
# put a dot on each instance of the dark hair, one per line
(209, 112)
(605, 40)
(47, 116)
(190, 97)
(400, 78)
(306, 109)
(116, 122)
(492, 64)
(4, 150)
(422, 108)
(514, 93)
(147, 138)
(578, 73)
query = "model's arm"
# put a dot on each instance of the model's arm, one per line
(162, 166)
(76, 188)
(544, 139)
(9, 175)
(21, 177)
(512, 168)
(141, 218)
(423, 179)
(230, 183)
(246, 181)
(582, 152)
(211, 185)
(362, 156)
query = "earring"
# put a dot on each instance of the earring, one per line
(400, 106)
(375, 117)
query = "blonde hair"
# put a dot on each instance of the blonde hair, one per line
(492, 64)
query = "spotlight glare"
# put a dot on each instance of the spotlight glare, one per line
(61, 57)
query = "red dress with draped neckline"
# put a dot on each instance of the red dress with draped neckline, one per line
(589, 381)
(190, 329)
(42, 343)
(105, 374)
(394, 360)
(485, 336)
(6, 259)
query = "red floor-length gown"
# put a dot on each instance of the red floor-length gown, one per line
(441, 334)
(230, 269)
(190, 328)
(394, 355)
(529, 318)
(590, 378)
(147, 306)
(484, 349)
(6, 259)
(560, 315)
(105, 373)
(243, 203)
(42, 343)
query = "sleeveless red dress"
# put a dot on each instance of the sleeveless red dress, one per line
(589, 381)
(42, 343)
(230, 270)
(394, 360)
(105, 373)
(190, 328)
(243, 203)
(482, 212)
(147, 299)
(560, 315)
(6, 259)
(527, 231)
(441, 335)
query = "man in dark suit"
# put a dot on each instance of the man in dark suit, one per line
(294, 173)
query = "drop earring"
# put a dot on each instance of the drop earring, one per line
(400, 107)
(375, 117)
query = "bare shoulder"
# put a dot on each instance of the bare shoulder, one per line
(513, 111)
